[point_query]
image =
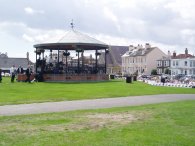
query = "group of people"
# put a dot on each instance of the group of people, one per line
(14, 71)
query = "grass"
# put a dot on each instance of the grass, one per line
(165, 124)
(17, 93)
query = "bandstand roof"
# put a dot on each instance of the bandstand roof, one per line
(71, 41)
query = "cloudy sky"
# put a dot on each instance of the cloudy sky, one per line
(167, 24)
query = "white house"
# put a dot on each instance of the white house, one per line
(183, 64)
(140, 59)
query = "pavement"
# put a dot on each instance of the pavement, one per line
(49, 107)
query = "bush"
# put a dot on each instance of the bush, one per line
(154, 72)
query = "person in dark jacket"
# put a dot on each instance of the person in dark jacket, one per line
(20, 70)
(28, 73)
(0, 75)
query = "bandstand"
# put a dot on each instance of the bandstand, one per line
(60, 66)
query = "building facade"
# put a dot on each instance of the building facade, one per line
(183, 64)
(140, 60)
(163, 64)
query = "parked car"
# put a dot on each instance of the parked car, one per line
(179, 76)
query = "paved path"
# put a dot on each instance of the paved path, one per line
(48, 107)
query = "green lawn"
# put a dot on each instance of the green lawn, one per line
(15, 93)
(166, 124)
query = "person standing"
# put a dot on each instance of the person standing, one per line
(13, 73)
(28, 72)
(20, 70)
(0, 75)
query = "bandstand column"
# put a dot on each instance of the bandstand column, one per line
(96, 60)
(58, 56)
(66, 61)
(78, 65)
(36, 61)
(82, 60)
(58, 66)
(105, 61)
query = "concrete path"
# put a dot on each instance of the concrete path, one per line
(49, 107)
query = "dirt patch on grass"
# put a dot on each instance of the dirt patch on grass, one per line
(108, 120)
(89, 121)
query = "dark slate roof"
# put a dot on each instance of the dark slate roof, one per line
(114, 55)
(117, 52)
(6, 63)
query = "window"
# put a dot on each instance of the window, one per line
(173, 63)
(191, 63)
(185, 63)
(177, 63)
(190, 72)
(159, 63)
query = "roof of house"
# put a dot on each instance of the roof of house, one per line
(182, 56)
(114, 55)
(6, 63)
(139, 52)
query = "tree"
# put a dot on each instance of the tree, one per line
(168, 71)
(154, 72)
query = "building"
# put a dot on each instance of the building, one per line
(164, 64)
(140, 60)
(114, 60)
(183, 64)
(7, 62)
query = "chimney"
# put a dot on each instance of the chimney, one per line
(147, 45)
(174, 54)
(186, 51)
(131, 47)
(169, 54)
(139, 46)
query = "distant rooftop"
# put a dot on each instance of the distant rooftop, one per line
(6, 63)
(139, 50)
(182, 56)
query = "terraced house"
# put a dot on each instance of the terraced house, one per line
(140, 60)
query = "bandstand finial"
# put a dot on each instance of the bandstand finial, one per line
(72, 24)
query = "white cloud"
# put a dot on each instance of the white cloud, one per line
(27, 38)
(32, 11)
(110, 15)
(184, 8)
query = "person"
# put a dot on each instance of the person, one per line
(28, 72)
(0, 75)
(13, 73)
(20, 70)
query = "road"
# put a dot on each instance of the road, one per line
(48, 107)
